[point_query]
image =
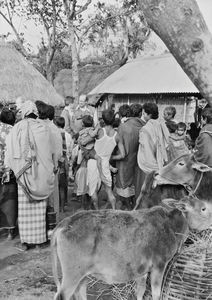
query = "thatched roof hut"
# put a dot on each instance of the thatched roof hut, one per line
(18, 78)
(89, 77)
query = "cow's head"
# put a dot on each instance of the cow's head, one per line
(197, 212)
(180, 171)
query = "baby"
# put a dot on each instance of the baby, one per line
(86, 139)
(178, 142)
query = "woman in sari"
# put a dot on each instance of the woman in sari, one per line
(8, 186)
(30, 155)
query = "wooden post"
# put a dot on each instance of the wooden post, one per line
(128, 100)
(184, 110)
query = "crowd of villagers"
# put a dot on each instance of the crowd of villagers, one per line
(116, 152)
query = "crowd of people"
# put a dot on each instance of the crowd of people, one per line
(39, 152)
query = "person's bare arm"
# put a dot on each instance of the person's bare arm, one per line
(121, 151)
(94, 132)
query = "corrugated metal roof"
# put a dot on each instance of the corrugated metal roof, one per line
(160, 74)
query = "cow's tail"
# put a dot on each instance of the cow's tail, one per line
(55, 260)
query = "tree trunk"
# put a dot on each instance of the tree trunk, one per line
(49, 74)
(20, 43)
(75, 62)
(49, 59)
(181, 26)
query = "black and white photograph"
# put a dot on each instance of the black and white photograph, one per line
(105, 149)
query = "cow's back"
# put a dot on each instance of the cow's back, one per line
(119, 237)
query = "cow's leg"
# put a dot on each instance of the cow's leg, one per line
(141, 287)
(81, 293)
(66, 291)
(72, 286)
(138, 200)
(156, 280)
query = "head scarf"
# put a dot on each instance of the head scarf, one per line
(19, 102)
(28, 108)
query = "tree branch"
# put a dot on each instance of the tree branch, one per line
(6, 19)
(83, 8)
(53, 37)
(95, 22)
(72, 12)
(20, 42)
(8, 11)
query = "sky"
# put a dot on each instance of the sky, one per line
(33, 33)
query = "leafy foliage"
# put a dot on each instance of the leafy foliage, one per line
(114, 31)
(8, 10)
(62, 60)
(116, 28)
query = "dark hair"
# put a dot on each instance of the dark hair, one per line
(60, 122)
(42, 108)
(50, 112)
(151, 109)
(31, 116)
(101, 122)
(7, 116)
(116, 123)
(76, 136)
(136, 109)
(181, 125)
(69, 99)
(125, 111)
(87, 121)
(112, 107)
(207, 114)
(172, 126)
(169, 112)
(108, 116)
(1, 106)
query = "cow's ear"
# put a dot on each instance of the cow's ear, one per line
(201, 167)
(178, 204)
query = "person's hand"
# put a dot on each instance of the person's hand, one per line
(98, 126)
(113, 170)
(55, 170)
(5, 177)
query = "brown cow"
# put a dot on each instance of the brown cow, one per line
(195, 176)
(120, 246)
(181, 177)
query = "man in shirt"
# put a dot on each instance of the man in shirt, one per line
(68, 114)
(81, 110)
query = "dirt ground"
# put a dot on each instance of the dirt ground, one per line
(27, 275)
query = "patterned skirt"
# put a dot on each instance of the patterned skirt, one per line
(31, 219)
